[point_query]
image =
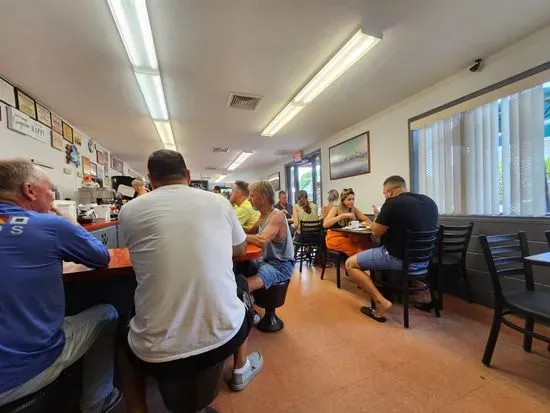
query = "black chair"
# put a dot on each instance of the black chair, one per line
(547, 235)
(452, 246)
(336, 256)
(505, 258)
(61, 396)
(309, 244)
(192, 394)
(270, 299)
(420, 247)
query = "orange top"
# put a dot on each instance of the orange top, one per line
(121, 265)
(98, 225)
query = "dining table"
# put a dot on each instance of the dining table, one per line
(542, 259)
(354, 231)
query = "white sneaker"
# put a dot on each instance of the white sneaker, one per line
(239, 381)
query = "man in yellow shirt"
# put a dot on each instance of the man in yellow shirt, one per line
(247, 215)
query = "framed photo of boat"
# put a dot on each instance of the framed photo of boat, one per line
(351, 157)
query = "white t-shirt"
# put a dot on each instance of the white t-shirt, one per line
(180, 241)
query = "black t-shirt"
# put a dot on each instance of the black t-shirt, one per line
(406, 211)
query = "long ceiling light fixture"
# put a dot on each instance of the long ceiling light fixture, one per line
(351, 52)
(220, 178)
(243, 156)
(132, 22)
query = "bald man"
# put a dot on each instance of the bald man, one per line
(37, 341)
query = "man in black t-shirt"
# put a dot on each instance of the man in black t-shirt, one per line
(401, 211)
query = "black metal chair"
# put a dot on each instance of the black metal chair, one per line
(505, 258)
(337, 257)
(547, 235)
(452, 246)
(420, 247)
(309, 244)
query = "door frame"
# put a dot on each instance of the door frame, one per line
(308, 158)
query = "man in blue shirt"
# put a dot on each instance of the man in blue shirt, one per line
(37, 341)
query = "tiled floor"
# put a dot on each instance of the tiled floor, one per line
(331, 358)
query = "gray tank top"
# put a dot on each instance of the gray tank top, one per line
(282, 250)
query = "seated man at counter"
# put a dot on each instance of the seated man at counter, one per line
(273, 237)
(139, 186)
(37, 341)
(188, 315)
(283, 205)
(247, 216)
(402, 211)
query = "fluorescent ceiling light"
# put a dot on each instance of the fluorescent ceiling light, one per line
(151, 87)
(350, 53)
(132, 21)
(239, 160)
(220, 178)
(165, 132)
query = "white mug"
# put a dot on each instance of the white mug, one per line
(354, 224)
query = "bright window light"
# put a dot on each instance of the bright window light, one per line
(220, 178)
(132, 21)
(239, 160)
(350, 53)
(151, 88)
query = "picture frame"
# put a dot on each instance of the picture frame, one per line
(100, 158)
(93, 169)
(68, 133)
(57, 141)
(350, 157)
(275, 180)
(86, 168)
(25, 104)
(77, 137)
(117, 164)
(57, 123)
(43, 115)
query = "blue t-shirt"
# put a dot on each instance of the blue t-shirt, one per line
(33, 247)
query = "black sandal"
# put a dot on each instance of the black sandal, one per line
(368, 311)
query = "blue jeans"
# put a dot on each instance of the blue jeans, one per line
(88, 334)
(380, 259)
(275, 271)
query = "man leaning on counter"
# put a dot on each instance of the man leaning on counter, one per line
(37, 341)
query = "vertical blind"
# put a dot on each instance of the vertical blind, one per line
(488, 160)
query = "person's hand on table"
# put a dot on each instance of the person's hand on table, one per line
(347, 215)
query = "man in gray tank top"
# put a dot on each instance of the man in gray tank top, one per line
(273, 237)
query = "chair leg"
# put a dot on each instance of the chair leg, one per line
(468, 289)
(493, 336)
(435, 300)
(301, 258)
(323, 263)
(405, 298)
(338, 271)
(527, 339)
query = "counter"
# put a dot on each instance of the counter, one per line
(108, 232)
(99, 225)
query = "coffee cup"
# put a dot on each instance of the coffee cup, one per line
(354, 224)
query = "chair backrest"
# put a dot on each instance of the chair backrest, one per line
(504, 255)
(454, 240)
(420, 246)
(311, 232)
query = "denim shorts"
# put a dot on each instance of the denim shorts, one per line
(275, 271)
(380, 259)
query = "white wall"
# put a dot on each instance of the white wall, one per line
(13, 144)
(388, 129)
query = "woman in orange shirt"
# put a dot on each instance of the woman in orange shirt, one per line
(341, 216)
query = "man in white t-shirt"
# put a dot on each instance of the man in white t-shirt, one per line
(188, 315)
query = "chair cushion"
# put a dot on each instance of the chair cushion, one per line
(534, 302)
(273, 297)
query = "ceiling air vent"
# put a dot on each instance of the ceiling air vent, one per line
(283, 152)
(218, 149)
(210, 168)
(243, 101)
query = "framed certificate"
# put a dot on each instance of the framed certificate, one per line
(43, 115)
(67, 133)
(93, 169)
(26, 104)
(57, 141)
(86, 168)
(57, 124)
(77, 138)
(100, 158)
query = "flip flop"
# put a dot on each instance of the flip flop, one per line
(370, 313)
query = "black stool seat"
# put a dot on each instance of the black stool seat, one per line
(270, 299)
(59, 396)
(192, 394)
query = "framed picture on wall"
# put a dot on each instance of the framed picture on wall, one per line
(57, 124)
(26, 104)
(77, 137)
(67, 133)
(93, 169)
(275, 180)
(57, 141)
(43, 115)
(117, 164)
(86, 169)
(350, 158)
(100, 158)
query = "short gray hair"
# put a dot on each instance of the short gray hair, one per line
(265, 188)
(14, 173)
(333, 195)
(139, 181)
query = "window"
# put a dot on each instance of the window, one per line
(489, 159)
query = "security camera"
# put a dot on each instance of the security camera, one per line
(476, 67)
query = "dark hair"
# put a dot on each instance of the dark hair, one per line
(165, 165)
(281, 193)
(303, 202)
(396, 181)
(243, 187)
(217, 188)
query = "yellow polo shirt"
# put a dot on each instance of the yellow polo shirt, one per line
(247, 215)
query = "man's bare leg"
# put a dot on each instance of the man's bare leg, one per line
(364, 281)
(132, 383)
(240, 356)
(254, 283)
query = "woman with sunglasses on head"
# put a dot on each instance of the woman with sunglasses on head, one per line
(341, 216)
